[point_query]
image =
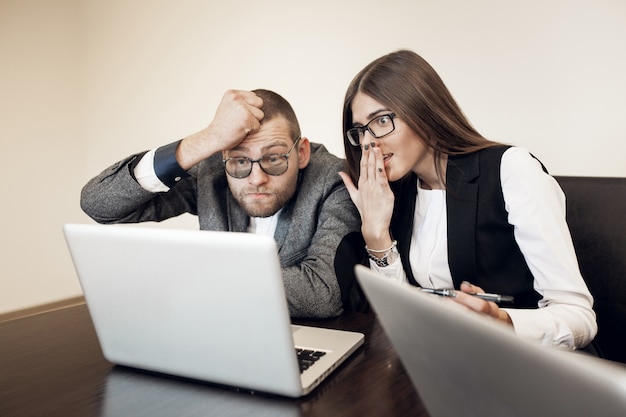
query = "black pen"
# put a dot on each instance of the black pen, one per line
(496, 298)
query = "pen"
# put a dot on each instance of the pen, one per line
(496, 298)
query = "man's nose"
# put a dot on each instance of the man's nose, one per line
(257, 175)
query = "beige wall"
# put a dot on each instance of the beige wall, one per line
(43, 151)
(84, 83)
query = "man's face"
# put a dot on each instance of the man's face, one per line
(260, 194)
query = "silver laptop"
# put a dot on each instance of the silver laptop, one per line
(466, 365)
(203, 305)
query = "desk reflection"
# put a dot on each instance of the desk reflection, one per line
(132, 392)
(51, 364)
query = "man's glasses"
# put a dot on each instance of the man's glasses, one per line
(378, 127)
(272, 164)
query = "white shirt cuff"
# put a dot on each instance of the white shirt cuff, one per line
(146, 177)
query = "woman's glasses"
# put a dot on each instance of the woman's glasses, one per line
(378, 127)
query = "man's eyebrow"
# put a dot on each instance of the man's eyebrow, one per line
(277, 142)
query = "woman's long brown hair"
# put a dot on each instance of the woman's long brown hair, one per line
(406, 84)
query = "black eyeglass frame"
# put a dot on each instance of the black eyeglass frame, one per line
(269, 155)
(361, 129)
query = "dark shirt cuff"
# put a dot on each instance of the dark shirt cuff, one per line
(166, 167)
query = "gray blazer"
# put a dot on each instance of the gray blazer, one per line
(318, 223)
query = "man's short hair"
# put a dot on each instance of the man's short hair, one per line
(275, 105)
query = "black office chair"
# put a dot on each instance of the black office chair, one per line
(596, 215)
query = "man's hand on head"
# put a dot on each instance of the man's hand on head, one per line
(238, 114)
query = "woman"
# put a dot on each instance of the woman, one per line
(443, 207)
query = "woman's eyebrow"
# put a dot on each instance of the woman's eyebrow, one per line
(371, 116)
(375, 113)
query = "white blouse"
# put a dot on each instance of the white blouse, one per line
(536, 208)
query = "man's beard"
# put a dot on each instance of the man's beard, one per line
(277, 200)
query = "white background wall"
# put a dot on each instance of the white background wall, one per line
(83, 83)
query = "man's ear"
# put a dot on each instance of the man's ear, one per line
(304, 152)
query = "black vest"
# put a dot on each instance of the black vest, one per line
(481, 245)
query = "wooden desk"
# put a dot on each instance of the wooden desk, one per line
(51, 364)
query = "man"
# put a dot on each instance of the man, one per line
(249, 170)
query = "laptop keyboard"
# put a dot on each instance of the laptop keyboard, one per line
(307, 357)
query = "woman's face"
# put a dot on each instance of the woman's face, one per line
(403, 150)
